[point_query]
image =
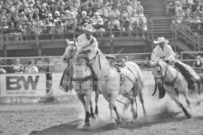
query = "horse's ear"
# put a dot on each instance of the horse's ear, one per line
(75, 41)
(69, 42)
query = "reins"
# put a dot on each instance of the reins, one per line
(163, 78)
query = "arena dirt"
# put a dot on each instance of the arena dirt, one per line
(67, 119)
(163, 118)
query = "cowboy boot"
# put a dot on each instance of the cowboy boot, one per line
(162, 91)
(191, 84)
(69, 85)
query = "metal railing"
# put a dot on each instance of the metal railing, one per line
(23, 31)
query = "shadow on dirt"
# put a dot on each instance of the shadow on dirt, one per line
(147, 121)
(72, 127)
(68, 129)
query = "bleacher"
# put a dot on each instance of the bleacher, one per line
(36, 24)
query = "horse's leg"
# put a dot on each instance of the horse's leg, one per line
(112, 106)
(132, 100)
(87, 104)
(142, 101)
(96, 102)
(91, 110)
(174, 96)
(187, 97)
(133, 110)
(111, 99)
(118, 117)
(87, 115)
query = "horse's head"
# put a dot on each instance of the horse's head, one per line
(70, 51)
(159, 71)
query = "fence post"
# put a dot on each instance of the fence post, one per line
(111, 40)
(198, 43)
(152, 26)
(2, 37)
(37, 36)
(176, 30)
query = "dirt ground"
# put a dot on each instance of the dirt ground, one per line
(67, 119)
(163, 118)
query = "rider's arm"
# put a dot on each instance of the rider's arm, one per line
(171, 54)
(154, 54)
(93, 42)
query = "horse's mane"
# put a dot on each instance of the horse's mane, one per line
(101, 54)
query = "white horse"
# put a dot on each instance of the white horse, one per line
(82, 81)
(109, 80)
(173, 82)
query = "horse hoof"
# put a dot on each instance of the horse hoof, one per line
(111, 125)
(86, 126)
(118, 121)
(189, 116)
(93, 116)
(135, 117)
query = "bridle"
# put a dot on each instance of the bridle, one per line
(163, 77)
(92, 60)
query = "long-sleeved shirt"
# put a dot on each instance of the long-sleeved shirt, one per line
(84, 43)
(166, 52)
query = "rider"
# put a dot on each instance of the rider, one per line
(86, 40)
(164, 51)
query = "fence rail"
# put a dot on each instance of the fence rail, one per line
(51, 85)
(25, 31)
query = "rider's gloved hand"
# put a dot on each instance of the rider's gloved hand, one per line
(163, 57)
(166, 60)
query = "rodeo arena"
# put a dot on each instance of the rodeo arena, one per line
(101, 67)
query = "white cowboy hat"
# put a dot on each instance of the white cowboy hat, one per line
(89, 28)
(161, 40)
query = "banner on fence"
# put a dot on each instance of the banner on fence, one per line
(23, 85)
(56, 78)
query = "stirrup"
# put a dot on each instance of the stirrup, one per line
(122, 78)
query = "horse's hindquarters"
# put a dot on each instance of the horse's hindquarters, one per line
(126, 86)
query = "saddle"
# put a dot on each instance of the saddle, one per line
(118, 66)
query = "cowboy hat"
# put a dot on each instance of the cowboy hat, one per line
(89, 28)
(161, 40)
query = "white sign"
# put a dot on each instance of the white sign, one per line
(23, 85)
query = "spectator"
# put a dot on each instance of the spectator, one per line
(197, 65)
(188, 14)
(180, 16)
(140, 7)
(126, 23)
(31, 68)
(197, 14)
(98, 24)
(2, 71)
(17, 67)
(42, 65)
(82, 20)
(49, 16)
(142, 24)
(104, 11)
(114, 24)
(190, 3)
(115, 13)
(178, 6)
(170, 6)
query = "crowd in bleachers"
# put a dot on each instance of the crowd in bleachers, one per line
(21, 18)
(189, 12)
